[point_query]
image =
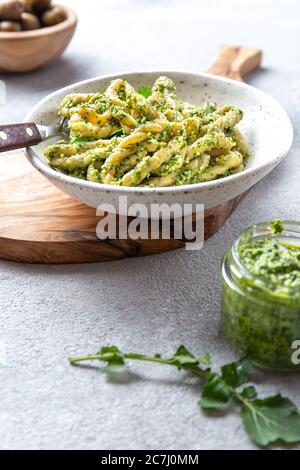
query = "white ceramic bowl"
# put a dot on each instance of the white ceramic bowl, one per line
(266, 127)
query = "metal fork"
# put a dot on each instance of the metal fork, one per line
(28, 134)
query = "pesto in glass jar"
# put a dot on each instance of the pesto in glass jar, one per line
(261, 294)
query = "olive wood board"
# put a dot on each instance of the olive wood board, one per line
(41, 224)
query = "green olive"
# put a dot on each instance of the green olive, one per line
(54, 16)
(30, 21)
(9, 26)
(10, 10)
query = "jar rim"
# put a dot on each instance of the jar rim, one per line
(259, 231)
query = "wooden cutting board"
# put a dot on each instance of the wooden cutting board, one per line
(41, 224)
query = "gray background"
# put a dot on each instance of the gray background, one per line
(151, 304)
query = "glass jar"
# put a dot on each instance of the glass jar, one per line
(260, 320)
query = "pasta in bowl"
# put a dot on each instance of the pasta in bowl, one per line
(147, 138)
(265, 126)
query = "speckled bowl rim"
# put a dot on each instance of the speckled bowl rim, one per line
(44, 168)
(69, 22)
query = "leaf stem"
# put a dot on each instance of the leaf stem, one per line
(139, 357)
(90, 357)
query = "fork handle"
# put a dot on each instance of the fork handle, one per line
(17, 136)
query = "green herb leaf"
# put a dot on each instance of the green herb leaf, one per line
(266, 420)
(277, 227)
(117, 133)
(249, 392)
(205, 359)
(183, 358)
(273, 419)
(209, 108)
(219, 388)
(114, 358)
(145, 91)
(215, 393)
(236, 373)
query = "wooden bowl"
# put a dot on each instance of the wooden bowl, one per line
(28, 50)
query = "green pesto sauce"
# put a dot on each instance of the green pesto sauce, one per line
(273, 261)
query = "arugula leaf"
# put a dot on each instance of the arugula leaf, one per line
(114, 358)
(205, 359)
(145, 91)
(266, 420)
(270, 420)
(184, 357)
(219, 388)
(236, 373)
(249, 392)
(215, 393)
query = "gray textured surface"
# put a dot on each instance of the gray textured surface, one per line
(150, 304)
